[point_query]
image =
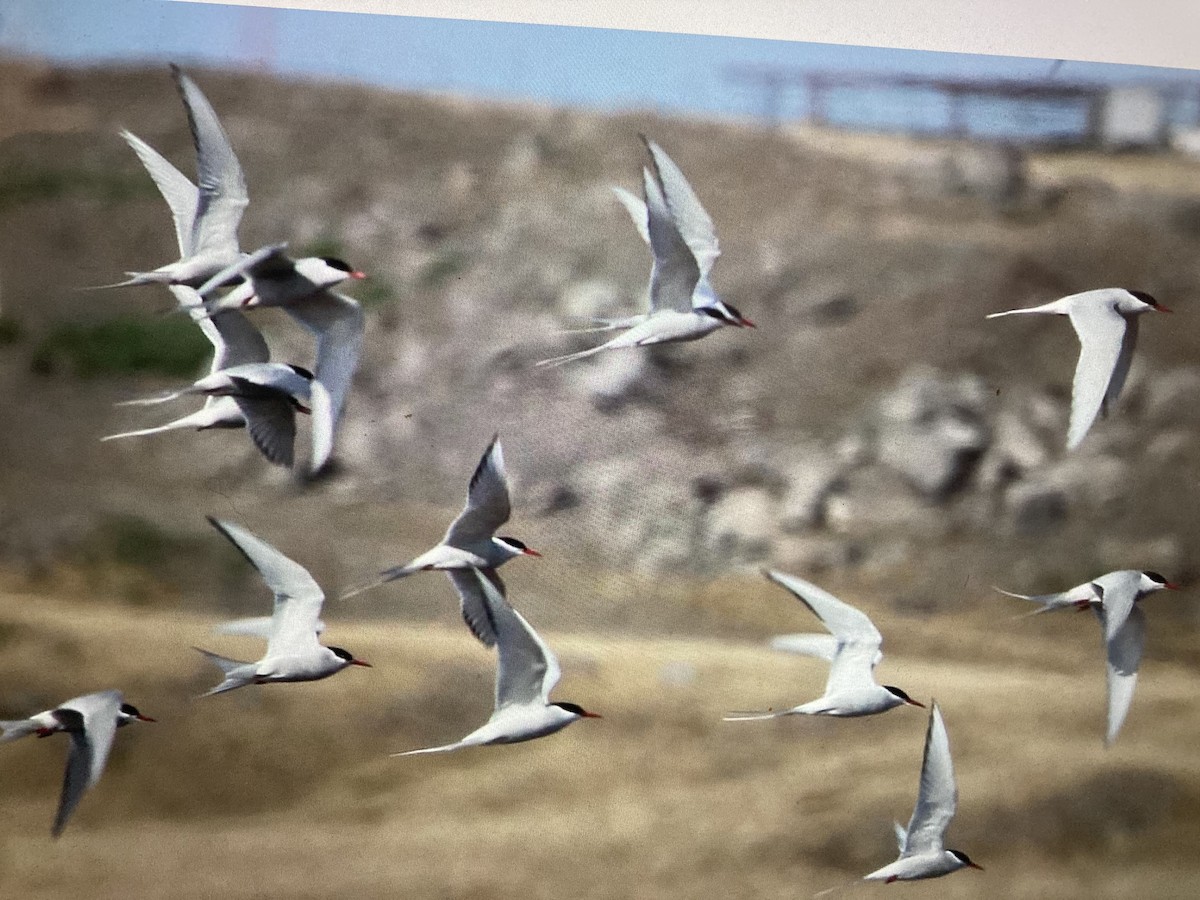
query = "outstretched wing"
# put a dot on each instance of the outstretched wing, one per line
(488, 504)
(91, 721)
(1101, 330)
(181, 195)
(298, 598)
(937, 798)
(223, 196)
(526, 669)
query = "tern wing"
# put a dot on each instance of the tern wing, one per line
(473, 601)
(337, 321)
(252, 626)
(298, 598)
(270, 421)
(844, 622)
(223, 196)
(674, 275)
(265, 262)
(488, 504)
(1119, 593)
(938, 796)
(92, 722)
(637, 210)
(1124, 653)
(693, 222)
(1101, 330)
(181, 195)
(240, 341)
(1124, 361)
(526, 669)
(822, 646)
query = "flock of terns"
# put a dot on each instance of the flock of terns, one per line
(216, 284)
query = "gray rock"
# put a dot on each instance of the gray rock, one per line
(931, 430)
(740, 526)
(875, 499)
(1036, 508)
(810, 483)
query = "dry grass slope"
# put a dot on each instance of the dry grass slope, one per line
(289, 791)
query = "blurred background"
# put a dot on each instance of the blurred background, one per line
(874, 435)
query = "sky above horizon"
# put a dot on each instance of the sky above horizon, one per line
(593, 67)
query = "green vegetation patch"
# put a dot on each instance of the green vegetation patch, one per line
(26, 182)
(170, 345)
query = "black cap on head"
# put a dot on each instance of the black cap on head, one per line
(512, 542)
(1143, 296)
(302, 372)
(571, 708)
(1154, 576)
(334, 263)
(130, 710)
(895, 691)
(342, 654)
(961, 857)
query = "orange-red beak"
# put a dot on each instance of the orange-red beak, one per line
(361, 662)
(529, 551)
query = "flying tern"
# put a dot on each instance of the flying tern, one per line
(268, 396)
(470, 543)
(683, 304)
(302, 288)
(852, 649)
(1106, 323)
(526, 672)
(921, 852)
(1114, 599)
(1115, 591)
(293, 652)
(207, 228)
(269, 277)
(91, 721)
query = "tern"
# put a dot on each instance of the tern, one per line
(235, 340)
(526, 672)
(1115, 591)
(683, 304)
(269, 277)
(470, 543)
(1114, 599)
(302, 288)
(921, 852)
(208, 233)
(268, 396)
(852, 649)
(1106, 323)
(91, 721)
(293, 652)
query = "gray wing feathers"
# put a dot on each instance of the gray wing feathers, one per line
(473, 602)
(272, 425)
(176, 188)
(1124, 361)
(674, 275)
(337, 321)
(694, 224)
(90, 744)
(488, 503)
(1101, 330)
(1123, 653)
(526, 670)
(938, 795)
(298, 597)
(821, 646)
(222, 186)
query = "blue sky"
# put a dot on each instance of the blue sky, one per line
(602, 68)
